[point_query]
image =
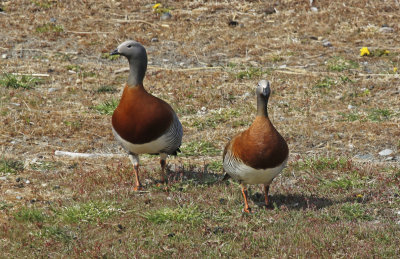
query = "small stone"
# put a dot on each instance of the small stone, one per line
(314, 9)
(386, 29)
(18, 197)
(269, 10)
(350, 107)
(4, 56)
(27, 182)
(389, 158)
(364, 156)
(78, 81)
(233, 23)
(246, 95)
(386, 152)
(52, 90)
(327, 44)
(18, 179)
(53, 20)
(56, 187)
(154, 40)
(282, 66)
(165, 16)
(3, 178)
(171, 234)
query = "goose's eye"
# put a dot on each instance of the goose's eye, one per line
(129, 46)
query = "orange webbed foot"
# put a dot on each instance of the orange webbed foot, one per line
(138, 188)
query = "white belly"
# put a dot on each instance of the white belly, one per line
(152, 147)
(249, 175)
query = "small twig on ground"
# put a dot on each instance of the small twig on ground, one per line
(125, 69)
(88, 32)
(23, 74)
(133, 21)
(51, 51)
(385, 75)
(84, 155)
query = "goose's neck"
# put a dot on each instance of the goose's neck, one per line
(137, 70)
(262, 106)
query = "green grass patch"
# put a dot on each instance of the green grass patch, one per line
(109, 57)
(88, 212)
(106, 89)
(49, 27)
(10, 166)
(4, 205)
(107, 107)
(45, 4)
(198, 148)
(215, 166)
(340, 64)
(32, 215)
(325, 83)
(379, 115)
(46, 166)
(376, 115)
(178, 215)
(73, 124)
(14, 81)
(61, 234)
(351, 116)
(345, 182)
(276, 58)
(250, 72)
(322, 163)
(75, 68)
(216, 118)
(80, 70)
(355, 211)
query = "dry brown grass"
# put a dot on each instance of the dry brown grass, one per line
(199, 61)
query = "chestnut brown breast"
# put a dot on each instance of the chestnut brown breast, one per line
(260, 146)
(141, 117)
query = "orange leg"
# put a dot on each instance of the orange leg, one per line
(135, 161)
(266, 190)
(138, 186)
(247, 209)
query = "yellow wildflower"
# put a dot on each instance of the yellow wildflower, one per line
(386, 52)
(156, 6)
(364, 51)
(359, 196)
(395, 69)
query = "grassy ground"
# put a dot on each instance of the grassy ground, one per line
(337, 110)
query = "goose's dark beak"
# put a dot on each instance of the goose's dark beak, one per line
(115, 52)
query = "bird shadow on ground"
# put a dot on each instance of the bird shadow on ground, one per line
(299, 201)
(192, 174)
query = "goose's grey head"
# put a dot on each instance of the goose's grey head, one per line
(263, 88)
(131, 49)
